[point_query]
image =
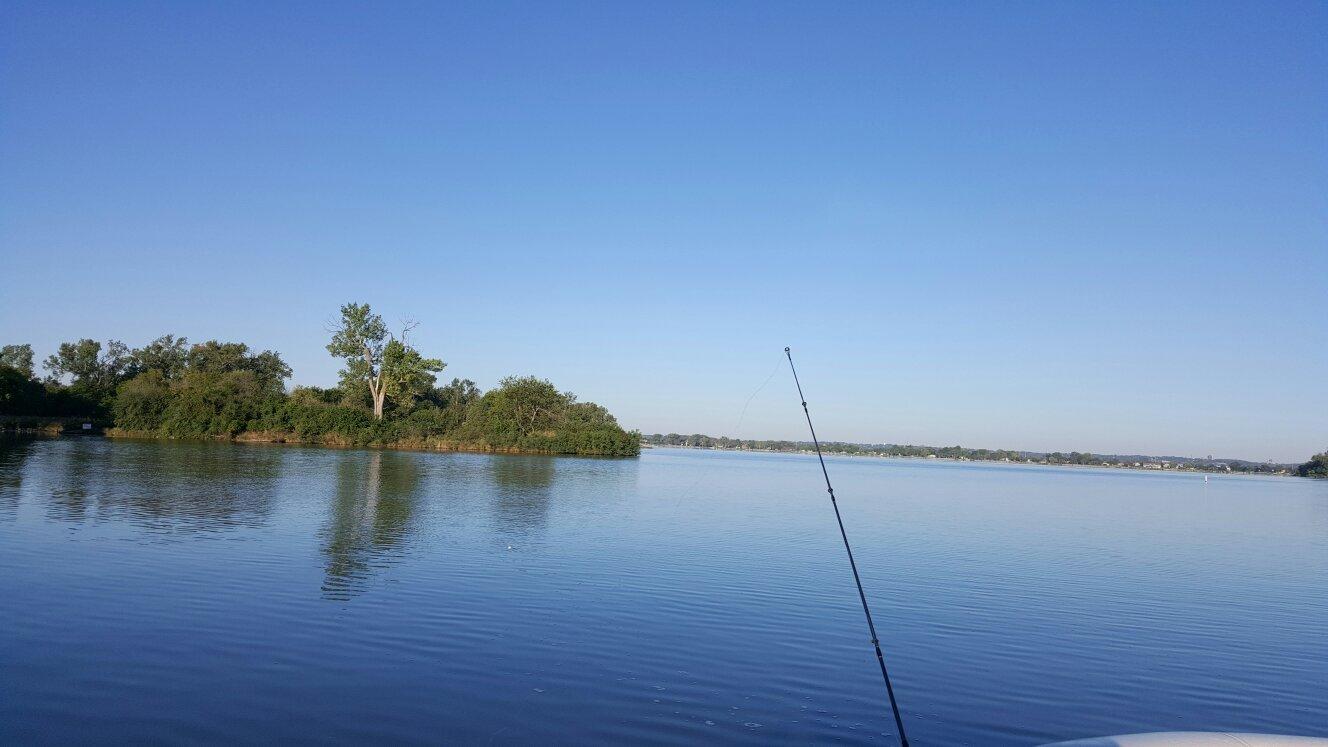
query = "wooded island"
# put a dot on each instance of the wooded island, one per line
(388, 396)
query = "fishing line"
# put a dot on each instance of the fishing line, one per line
(703, 475)
(748, 403)
(871, 626)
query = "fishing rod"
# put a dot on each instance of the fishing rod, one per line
(880, 658)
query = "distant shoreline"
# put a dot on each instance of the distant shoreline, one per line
(1139, 463)
(950, 460)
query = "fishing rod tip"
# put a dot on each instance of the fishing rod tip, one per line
(786, 349)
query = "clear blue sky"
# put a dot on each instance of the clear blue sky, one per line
(1092, 226)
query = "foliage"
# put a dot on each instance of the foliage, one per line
(215, 404)
(519, 407)
(221, 358)
(457, 395)
(313, 395)
(387, 365)
(167, 355)
(407, 375)
(362, 335)
(527, 413)
(1317, 466)
(17, 357)
(93, 373)
(140, 403)
(224, 389)
(313, 421)
(19, 394)
(446, 406)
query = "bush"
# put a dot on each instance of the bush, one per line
(221, 390)
(212, 404)
(530, 414)
(1317, 466)
(315, 422)
(141, 403)
(19, 394)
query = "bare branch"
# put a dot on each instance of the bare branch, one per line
(408, 325)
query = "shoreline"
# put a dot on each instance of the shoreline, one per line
(39, 425)
(996, 462)
(42, 427)
(277, 438)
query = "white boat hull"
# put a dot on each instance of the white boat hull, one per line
(1196, 739)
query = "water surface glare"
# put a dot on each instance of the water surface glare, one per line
(158, 592)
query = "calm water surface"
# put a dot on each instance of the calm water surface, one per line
(222, 593)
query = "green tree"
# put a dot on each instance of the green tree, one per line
(213, 357)
(361, 339)
(167, 354)
(525, 404)
(1317, 466)
(590, 415)
(17, 357)
(459, 394)
(389, 366)
(141, 402)
(19, 393)
(92, 372)
(407, 375)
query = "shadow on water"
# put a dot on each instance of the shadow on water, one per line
(165, 488)
(525, 484)
(376, 500)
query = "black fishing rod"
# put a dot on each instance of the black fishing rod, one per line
(880, 658)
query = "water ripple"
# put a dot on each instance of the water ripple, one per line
(221, 593)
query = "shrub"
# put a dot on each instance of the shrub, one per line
(1317, 466)
(141, 402)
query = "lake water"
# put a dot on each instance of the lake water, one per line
(222, 593)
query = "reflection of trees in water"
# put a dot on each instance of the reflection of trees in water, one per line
(524, 486)
(161, 486)
(376, 497)
(71, 483)
(13, 452)
(207, 486)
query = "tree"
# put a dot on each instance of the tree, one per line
(407, 375)
(167, 354)
(1317, 466)
(19, 394)
(590, 415)
(87, 366)
(216, 358)
(389, 366)
(531, 404)
(141, 401)
(459, 394)
(17, 357)
(209, 403)
(361, 339)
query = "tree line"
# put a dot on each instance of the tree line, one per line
(388, 395)
(1316, 467)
